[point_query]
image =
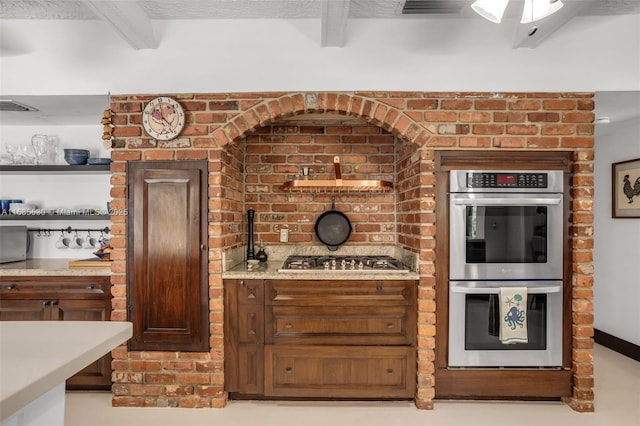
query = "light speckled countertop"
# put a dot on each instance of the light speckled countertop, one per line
(50, 267)
(270, 271)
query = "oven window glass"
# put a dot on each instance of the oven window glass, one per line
(506, 234)
(482, 322)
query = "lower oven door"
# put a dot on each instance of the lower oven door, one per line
(474, 317)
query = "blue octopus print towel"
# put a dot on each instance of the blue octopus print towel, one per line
(513, 315)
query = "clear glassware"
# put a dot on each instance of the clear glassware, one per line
(28, 153)
(12, 150)
(40, 145)
(53, 149)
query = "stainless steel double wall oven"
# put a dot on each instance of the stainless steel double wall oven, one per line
(506, 230)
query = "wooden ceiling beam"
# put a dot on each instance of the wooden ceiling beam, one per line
(128, 20)
(334, 22)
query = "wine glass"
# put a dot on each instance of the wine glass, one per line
(12, 150)
(39, 143)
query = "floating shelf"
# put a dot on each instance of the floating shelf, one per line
(54, 169)
(337, 184)
(55, 217)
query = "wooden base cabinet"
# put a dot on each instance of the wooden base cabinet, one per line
(340, 371)
(58, 298)
(320, 339)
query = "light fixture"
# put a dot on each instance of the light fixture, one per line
(491, 10)
(534, 10)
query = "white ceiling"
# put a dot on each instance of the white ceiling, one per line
(132, 20)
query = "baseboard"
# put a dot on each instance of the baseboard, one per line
(616, 344)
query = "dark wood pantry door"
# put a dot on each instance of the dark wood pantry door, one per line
(167, 282)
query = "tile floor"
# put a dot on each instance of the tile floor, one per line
(617, 390)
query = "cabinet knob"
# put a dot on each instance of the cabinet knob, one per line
(288, 326)
(390, 372)
(288, 370)
(242, 283)
(390, 325)
(91, 287)
(10, 287)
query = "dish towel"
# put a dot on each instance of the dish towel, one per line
(513, 315)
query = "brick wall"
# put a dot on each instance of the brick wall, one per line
(253, 143)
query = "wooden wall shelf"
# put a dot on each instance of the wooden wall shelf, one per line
(337, 184)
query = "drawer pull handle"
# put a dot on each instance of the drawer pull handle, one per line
(390, 372)
(11, 287)
(91, 287)
(288, 326)
(390, 325)
(288, 370)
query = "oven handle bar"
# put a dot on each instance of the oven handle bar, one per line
(506, 201)
(533, 289)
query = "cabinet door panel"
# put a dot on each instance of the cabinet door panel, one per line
(251, 372)
(79, 310)
(250, 292)
(167, 255)
(24, 310)
(250, 324)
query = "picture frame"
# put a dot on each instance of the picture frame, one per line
(625, 189)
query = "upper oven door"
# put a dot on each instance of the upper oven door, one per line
(505, 236)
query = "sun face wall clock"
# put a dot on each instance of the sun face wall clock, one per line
(163, 118)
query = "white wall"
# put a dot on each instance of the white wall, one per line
(617, 241)
(87, 57)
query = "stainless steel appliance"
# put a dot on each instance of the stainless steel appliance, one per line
(506, 225)
(506, 230)
(355, 263)
(14, 243)
(473, 335)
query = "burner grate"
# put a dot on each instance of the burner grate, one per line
(342, 264)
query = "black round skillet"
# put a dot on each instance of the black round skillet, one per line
(333, 228)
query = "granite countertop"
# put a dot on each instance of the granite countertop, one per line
(50, 267)
(269, 270)
(35, 356)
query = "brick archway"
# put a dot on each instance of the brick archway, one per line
(386, 115)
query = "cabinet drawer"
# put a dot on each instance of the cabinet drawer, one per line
(325, 293)
(76, 287)
(349, 325)
(340, 371)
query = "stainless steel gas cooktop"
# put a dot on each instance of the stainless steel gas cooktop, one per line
(355, 263)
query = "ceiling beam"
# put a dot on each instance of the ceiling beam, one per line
(334, 22)
(531, 35)
(128, 20)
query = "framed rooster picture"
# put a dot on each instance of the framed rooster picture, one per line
(625, 179)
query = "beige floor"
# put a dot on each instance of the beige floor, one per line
(617, 403)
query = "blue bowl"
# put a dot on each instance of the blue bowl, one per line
(76, 161)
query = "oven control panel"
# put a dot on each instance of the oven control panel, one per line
(506, 180)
